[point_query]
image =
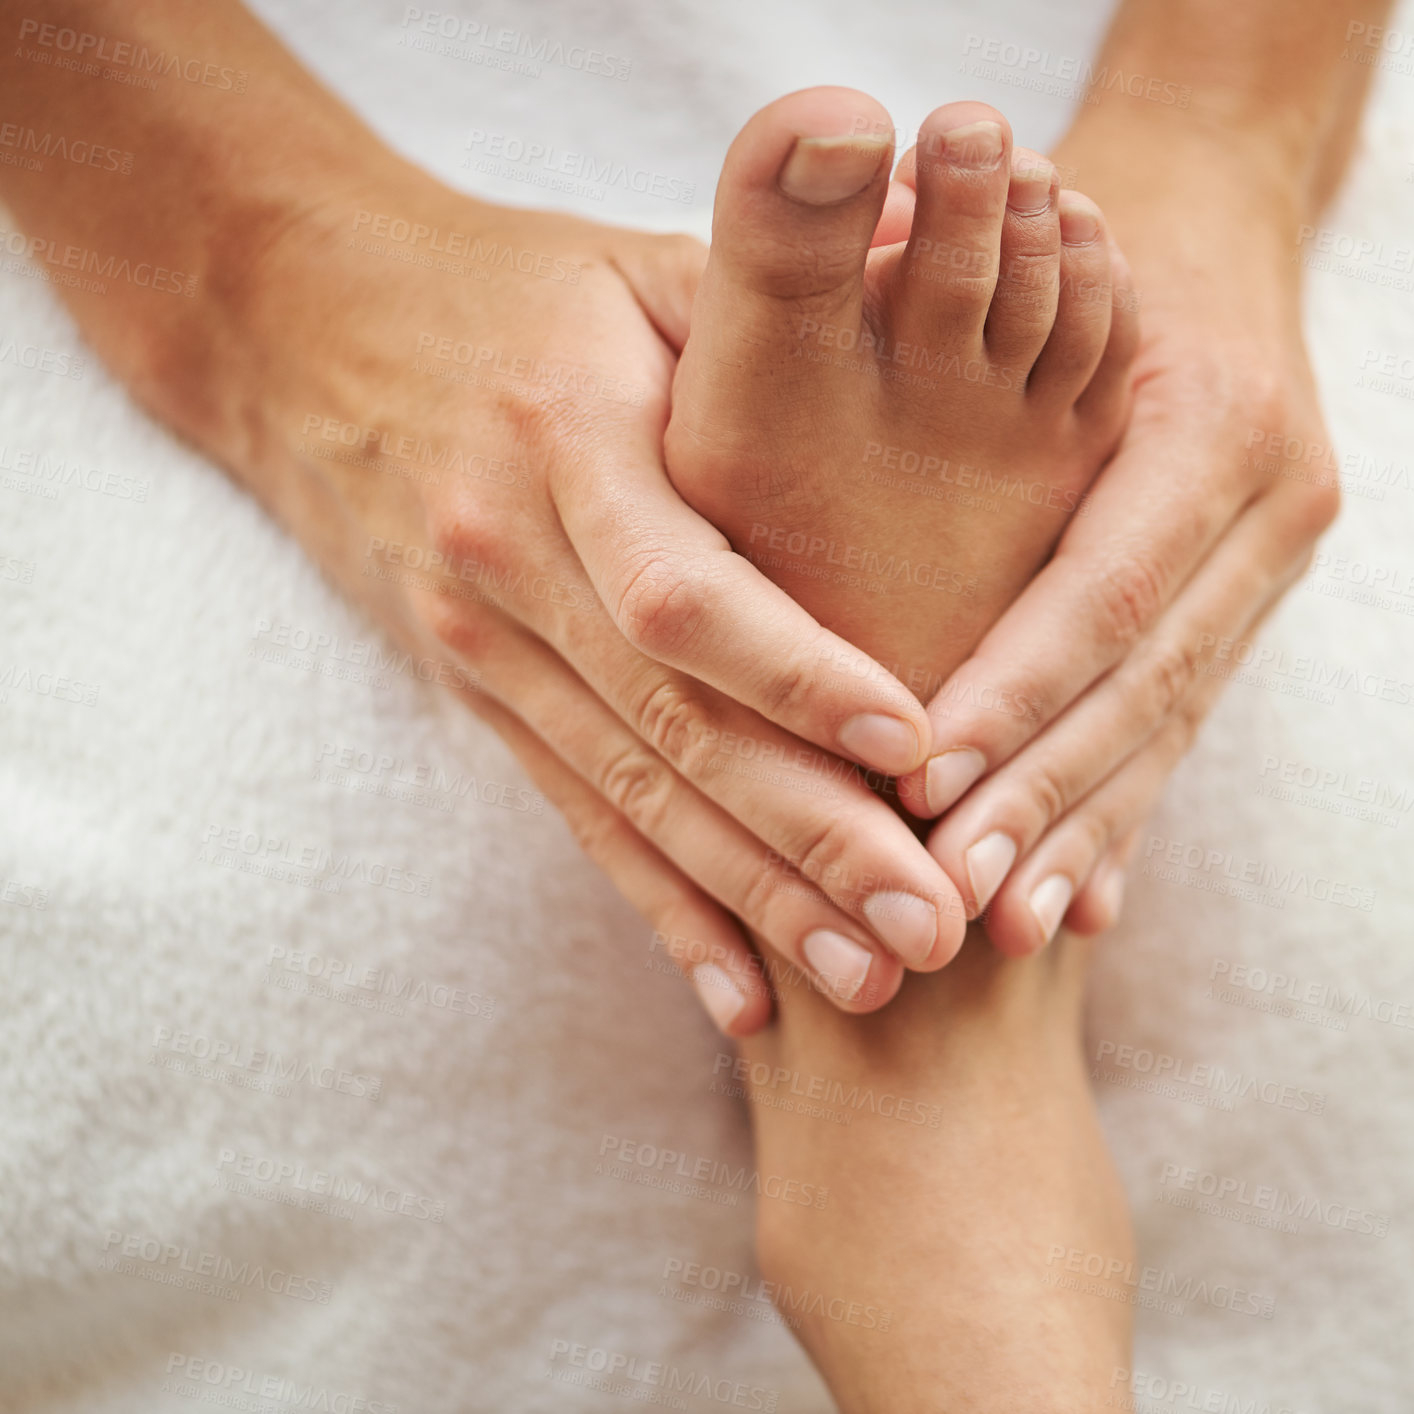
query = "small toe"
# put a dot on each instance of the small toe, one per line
(1023, 309)
(1083, 306)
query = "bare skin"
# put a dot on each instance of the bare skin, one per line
(947, 1217)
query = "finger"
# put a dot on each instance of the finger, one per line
(1157, 509)
(1052, 879)
(680, 595)
(810, 808)
(688, 927)
(1019, 802)
(1029, 910)
(1100, 899)
(700, 838)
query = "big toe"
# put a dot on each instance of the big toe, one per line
(800, 194)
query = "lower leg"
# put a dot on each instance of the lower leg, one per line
(958, 1144)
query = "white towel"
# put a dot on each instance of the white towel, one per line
(363, 1146)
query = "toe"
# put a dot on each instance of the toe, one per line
(944, 282)
(800, 195)
(1023, 309)
(1077, 341)
(1105, 400)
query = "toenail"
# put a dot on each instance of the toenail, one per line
(718, 994)
(821, 171)
(987, 864)
(840, 963)
(888, 744)
(950, 775)
(1079, 224)
(973, 145)
(907, 923)
(1049, 901)
(1031, 188)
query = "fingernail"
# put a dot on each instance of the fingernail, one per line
(1030, 190)
(886, 743)
(950, 776)
(987, 864)
(823, 170)
(1049, 901)
(718, 993)
(907, 923)
(1079, 225)
(1110, 892)
(838, 961)
(974, 145)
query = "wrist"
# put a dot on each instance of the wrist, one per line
(1193, 208)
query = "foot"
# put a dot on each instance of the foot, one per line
(966, 1178)
(897, 431)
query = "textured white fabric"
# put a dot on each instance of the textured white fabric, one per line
(158, 696)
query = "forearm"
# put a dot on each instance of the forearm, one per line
(1272, 81)
(231, 142)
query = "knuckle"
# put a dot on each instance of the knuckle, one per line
(826, 846)
(465, 630)
(671, 722)
(787, 692)
(1172, 669)
(1127, 596)
(1049, 794)
(638, 785)
(660, 608)
(598, 833)
(763, 902)
(1320, 505)
(1093, 829)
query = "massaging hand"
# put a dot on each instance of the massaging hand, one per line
(473, 402)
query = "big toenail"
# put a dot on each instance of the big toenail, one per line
(821, 171)
(1030, 189)
(1079, 225)
(973, 145)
